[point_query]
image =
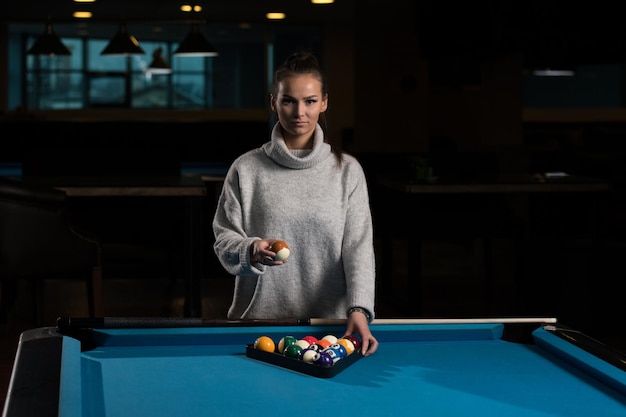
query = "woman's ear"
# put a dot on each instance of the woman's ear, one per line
(325, 103)
(272, 106)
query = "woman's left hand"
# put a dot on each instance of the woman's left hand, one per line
(357, 323)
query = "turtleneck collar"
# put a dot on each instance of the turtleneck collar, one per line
(276, 149)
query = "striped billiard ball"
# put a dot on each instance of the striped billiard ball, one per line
(309, 355)
(284, 342)
(347, 344)
(323, 359)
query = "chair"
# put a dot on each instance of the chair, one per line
(38, 242)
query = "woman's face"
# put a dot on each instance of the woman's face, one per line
(298, 104)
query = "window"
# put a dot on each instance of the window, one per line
(237, 78)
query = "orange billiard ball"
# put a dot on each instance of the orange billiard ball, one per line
(265, 343)
(323, 343)
(281, 249)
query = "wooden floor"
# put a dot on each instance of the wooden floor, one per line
(452, 287)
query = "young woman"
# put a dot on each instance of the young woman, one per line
(300, 189)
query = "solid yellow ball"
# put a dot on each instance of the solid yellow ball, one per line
(265, 343)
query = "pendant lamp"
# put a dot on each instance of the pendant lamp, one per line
(195, 44)
(158, 64)
(48, 43)
(122, 43)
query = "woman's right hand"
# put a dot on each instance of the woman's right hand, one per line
(261, 252)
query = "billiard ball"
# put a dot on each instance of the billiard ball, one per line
(310, 339)
(323, 359)
(339, 348)
(302, 343)
(347, 344)
(281, 249)
(265, 344)
(334, 354)
(292, 351)
(323, 343)
(331, 338)
(355, 341)
(308, 355)
(315, 347)
(284, 342)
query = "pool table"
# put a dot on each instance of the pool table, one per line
(465, 367)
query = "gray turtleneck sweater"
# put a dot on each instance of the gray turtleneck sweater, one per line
(320, 209)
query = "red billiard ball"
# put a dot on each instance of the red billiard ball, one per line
(355, 341)
(311, 339)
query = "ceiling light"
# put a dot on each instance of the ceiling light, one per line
(275, 15)
(158, 64)
(82, 15)
(554, 72)
(322, 1)
(48, 43)
(195, 44)
(188, 8)
(122, 43)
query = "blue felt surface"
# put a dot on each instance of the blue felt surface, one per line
(484, 376)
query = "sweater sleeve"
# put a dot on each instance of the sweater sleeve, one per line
(232, 245)
(358, 246)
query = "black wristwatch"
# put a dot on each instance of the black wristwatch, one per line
(360, 310)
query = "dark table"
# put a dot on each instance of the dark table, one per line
(435, 368)
(511, 183)
(189, 188)
(418, 210)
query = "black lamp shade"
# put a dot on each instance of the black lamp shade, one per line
(158, 64)
(195, 44)
(123, 43)
(48, 43)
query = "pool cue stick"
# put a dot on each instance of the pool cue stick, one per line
(163, 322)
